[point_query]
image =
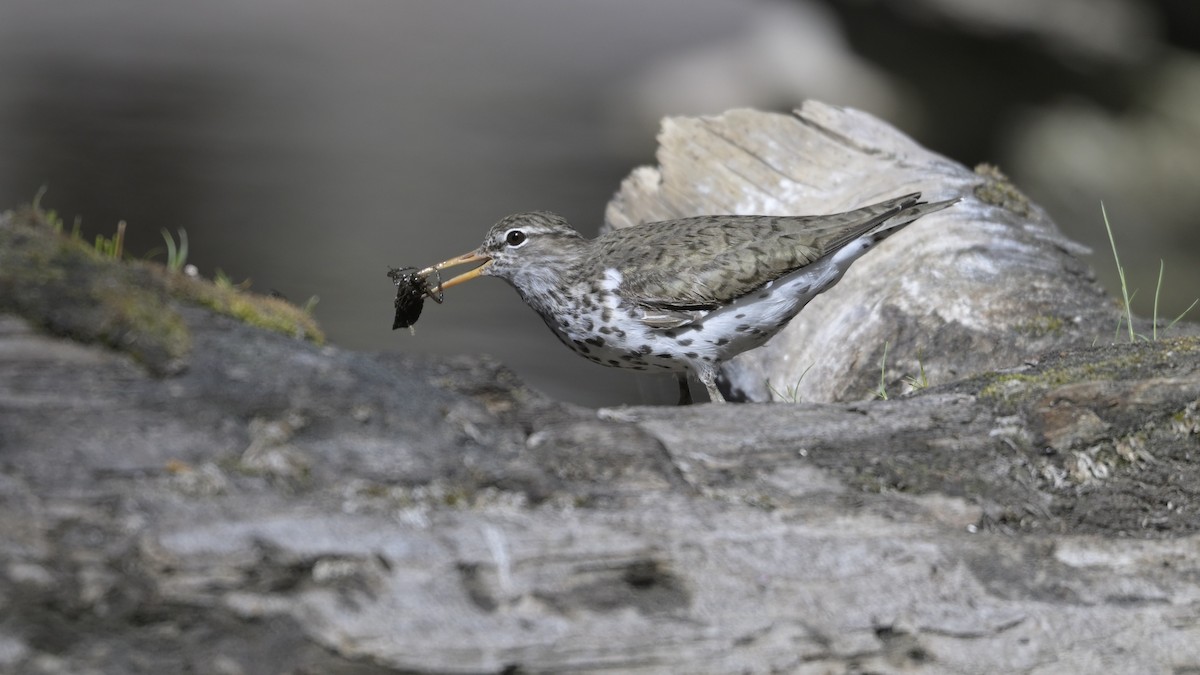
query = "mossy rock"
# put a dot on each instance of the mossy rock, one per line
(62, 284)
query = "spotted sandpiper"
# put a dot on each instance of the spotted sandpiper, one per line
(678, 295)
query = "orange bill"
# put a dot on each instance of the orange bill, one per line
(463, 259)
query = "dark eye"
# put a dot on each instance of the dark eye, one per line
(514, 238)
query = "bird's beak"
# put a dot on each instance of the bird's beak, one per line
(463, 259)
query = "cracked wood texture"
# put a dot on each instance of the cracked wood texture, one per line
(270, 506)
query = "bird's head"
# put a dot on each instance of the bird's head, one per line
(522, 249)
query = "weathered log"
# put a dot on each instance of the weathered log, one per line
(270, 505)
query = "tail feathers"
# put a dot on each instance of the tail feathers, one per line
(852, 250)
(908, 214)
(875, 222)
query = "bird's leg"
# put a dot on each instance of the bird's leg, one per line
(709, 377)
(685, 394)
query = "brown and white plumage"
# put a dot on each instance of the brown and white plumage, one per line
(683, 294)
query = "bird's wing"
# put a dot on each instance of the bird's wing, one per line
(679, 270)
(664, 318)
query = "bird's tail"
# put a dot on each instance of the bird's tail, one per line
(909, 212)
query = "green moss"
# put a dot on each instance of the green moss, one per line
(144, 325)
(1117, 362)
(1042, 325)
(65, 286)
(256, 310)
(1013, 385)
(998, 190)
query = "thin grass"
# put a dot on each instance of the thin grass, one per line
(1121, 274)
(919, 381)
(790, 394)
(1127, 297)
(1174, 321)
(176, 255)
(881, 390)
(113, 247)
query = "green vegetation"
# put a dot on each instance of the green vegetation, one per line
(1157, 288)
(108, 247)
(1127, 297)
(67, 287)
(881, 390)
(176, 255)
(88, 292)
(1108, 363)
(112, 247)
(790, 394)
(998, 190)
(915, 382)
(1039, 326)
(918, 381)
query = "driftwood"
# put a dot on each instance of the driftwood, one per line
(269, 505)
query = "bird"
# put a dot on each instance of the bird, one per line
(681, 295)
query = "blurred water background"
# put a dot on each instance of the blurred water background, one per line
(309, 145)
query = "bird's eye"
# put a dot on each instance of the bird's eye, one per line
(514, 238)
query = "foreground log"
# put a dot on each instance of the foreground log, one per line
(270, 505)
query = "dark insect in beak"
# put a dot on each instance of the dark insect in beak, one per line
(411, 290)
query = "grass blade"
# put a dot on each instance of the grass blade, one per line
(1120, 273)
